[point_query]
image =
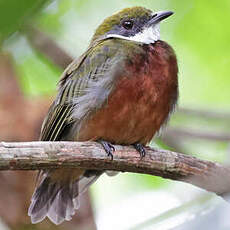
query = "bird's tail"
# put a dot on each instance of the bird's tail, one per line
(56, 195)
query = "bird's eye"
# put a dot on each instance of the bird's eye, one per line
(128, 25)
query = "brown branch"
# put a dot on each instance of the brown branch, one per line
(42, 42)
(39, 155)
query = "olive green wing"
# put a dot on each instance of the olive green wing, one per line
(83, 88)
(59, 114)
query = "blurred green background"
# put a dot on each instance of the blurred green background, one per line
(198, 31)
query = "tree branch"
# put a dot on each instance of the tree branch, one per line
(90, 155)
(48, 47)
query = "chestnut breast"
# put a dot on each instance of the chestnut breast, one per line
(142, 99)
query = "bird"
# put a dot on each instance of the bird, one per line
(121, 90)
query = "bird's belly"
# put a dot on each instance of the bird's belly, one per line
(133, 113)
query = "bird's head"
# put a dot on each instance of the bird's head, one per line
(135, 24)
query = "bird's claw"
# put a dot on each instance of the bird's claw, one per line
(140, 148)
(109, 148)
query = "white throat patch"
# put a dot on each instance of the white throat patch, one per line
(148, 35)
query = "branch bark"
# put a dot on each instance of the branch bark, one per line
(211, 176)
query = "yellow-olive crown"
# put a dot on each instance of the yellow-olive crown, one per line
(121, 22)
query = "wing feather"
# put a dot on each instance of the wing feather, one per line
(84, 87)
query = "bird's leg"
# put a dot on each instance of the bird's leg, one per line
(140, 148)
(109, 148)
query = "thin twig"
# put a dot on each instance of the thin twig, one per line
(196, 134)
(205, 113)
(90, 155)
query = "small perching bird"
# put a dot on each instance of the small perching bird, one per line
(120, 91)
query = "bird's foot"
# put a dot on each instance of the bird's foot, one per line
(109, 148)
(140, 148)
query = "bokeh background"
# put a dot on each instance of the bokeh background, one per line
(39, 38)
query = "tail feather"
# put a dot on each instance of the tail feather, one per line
(57, 200)
(43, 198)
(38, 210)
(85, 182)
(62, 207)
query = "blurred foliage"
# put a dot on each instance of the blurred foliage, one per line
(14, 13)
(44, 78)
(198, 31)
(201, 38)
(174, 215)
